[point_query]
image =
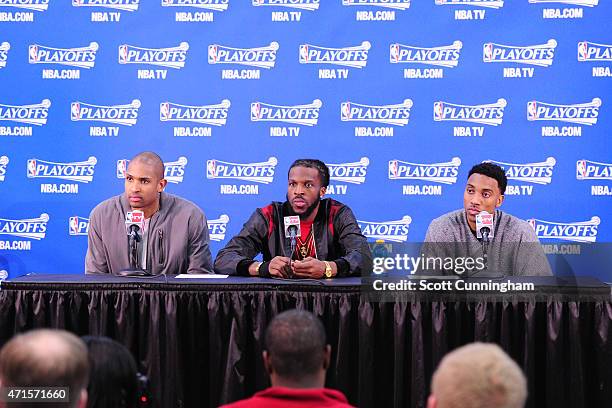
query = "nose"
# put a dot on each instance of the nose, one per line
(299, 190)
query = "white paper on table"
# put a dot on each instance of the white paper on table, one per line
(200, 276)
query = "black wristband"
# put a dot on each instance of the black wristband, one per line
(264, 269)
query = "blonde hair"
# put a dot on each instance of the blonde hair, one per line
(479, 375)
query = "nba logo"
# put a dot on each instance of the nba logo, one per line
(345, 111)
(33, 54)
(303, 54)
(32, 168)
(73, 224)
(438, 111)
(123, 54)
(121, 168)
(164, 111)
(532, 222)
(212, 54)
(75, 111)
(393, 169)
(488, 52)
(582, 51)
(394, 55)
(532, 110)
(211, 168)
(581, 170)
(255, 111)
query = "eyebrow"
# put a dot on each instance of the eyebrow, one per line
(483, 189)
(138, 178)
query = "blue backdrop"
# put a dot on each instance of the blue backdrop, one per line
(401, 97)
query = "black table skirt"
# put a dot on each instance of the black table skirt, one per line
(201, 343)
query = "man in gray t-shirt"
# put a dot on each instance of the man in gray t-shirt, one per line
(514, 248)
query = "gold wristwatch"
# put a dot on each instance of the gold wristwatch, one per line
(328, 270)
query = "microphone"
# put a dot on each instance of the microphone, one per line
(484, 230)
(484, 226)
(134, 221)
(292, 230)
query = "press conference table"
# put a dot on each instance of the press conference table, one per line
(200, 340)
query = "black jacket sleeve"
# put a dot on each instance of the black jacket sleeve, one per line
(357, 258)
(242, 248)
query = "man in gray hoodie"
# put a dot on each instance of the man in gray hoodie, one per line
(174, 235)
(513, 249)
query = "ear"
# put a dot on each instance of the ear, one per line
(322, 191)
(431, 401)
(500, 200)
(267, 362)
(326, 357)
(162, 185)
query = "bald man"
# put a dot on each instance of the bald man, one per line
(173, 238)
(46, 358)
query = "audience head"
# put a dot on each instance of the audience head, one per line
(113, 379)
(46, 358)
(296, 354)
(478, 375)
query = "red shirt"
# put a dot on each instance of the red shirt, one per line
(281, 397)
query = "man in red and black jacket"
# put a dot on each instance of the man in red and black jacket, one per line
(330, 242)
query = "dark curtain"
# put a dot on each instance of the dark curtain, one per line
(203, 347)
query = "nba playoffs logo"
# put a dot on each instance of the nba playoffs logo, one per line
(590, 170)
(260, 57)
(354, 173)
(123, 5)
(4, 160)
(588, 51)
(78, 225)
(538, 173)
(119, 114)
(173, 57)
(392, 4)
(584, 231)
(214, 5)
(445, 173)
(495, 4)
(29, 114)
(307, 115)
(83, 57)
(487, 114)
(585, 3)
(255, 172)
(4, 48)
(218, 227)
(308, 5)
(540, 55)
(580, 113)
(35, 5)
(74, 171)
(393, 231)
(443, 56)
(354, 57)
(174, 171)
(387, 114)
(215, 115)
(32, 228)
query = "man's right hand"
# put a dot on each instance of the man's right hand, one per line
(280, 266)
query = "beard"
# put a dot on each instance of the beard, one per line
(308, 211)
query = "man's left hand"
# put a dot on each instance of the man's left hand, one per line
(309, 268)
